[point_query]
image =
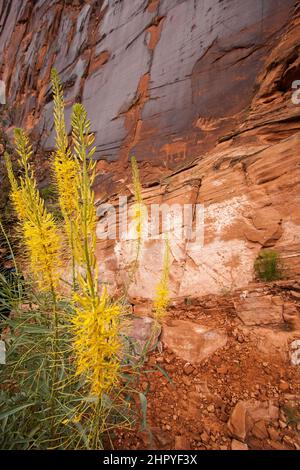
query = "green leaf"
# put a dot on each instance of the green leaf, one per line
(34, 431)
(143, 401)
(15, 410)
(165, 374)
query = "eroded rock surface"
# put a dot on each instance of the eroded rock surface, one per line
(201, 92)
(191, 341)
(248, 414)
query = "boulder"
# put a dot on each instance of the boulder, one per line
(259, 309)
(142, 333)
(271, 342)
(247, 414)
(191, 341)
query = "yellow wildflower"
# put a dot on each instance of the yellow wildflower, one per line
(85, 230)
(162, 297)
(138, 210)
(17, 195)
(40, 233)
(97, 344)
(66, 168)
(96, 320)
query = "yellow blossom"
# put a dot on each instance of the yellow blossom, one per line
(66, 168)
(96, 320)
(162, 297)
(97, 345)
(17, 195)
(39, 231)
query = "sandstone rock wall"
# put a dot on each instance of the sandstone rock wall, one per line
(200, 91)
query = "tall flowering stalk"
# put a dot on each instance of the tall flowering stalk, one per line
(40, 237)
(96, 321)
(138, 206)
(162, 296)
(40, 233)
(139, 212)
(66, 168)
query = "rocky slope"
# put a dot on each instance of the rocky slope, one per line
(232, 365)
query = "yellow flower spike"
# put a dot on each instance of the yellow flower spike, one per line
(97, 344)
(17, 195)
(96, 321)
(39, 231)
(138, 208)
(66, 169)
(85, 233)
(162, 297)
(136, 181)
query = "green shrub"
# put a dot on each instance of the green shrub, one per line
(268, 265)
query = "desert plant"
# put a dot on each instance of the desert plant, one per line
(40, 234)
(162, 297)
(66, 169)
(268, 265)
(138, 211)
(68, 380)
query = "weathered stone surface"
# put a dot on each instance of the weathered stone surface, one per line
(247, 414)
(295, 352)
(237, 445)
(191, 341)
(201, 93)
(181, 443)
(260, 309)
(272, 343)
(143, 333)
(291, 315)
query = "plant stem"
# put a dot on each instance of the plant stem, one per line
(54, 369)
(9, 247)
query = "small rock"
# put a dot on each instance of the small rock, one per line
(204, 437)
(274, 434)
(284, 386)
(288, 440)
(259, 430)
(223, 369)
(282, 424)
(237, 445)
(163, 438)
(211, 408)
(188, 368)
(295, 354)
(182, 443)
(276, 445)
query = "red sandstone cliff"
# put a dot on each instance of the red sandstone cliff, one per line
(200, 92)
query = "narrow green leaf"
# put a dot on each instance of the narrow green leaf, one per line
(143, 401)
(165, 374)
(15, 410)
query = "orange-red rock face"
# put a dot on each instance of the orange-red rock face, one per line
(201, 93)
